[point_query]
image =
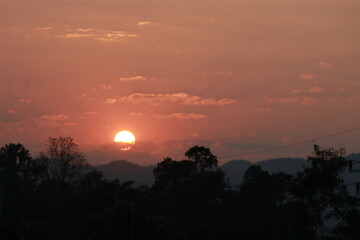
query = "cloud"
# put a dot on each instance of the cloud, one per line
(70, 124)
(316, 89)
(136, 114)
(300, 100)
(307, 76)
(44, 28)
(51, 120)
(110, 101)
(24, 100)
(91, 113)
(133, 78)
(325, 65)
(98, 34)
(264, 109)
(296, 91)
(10, 111)
(144, 23)
(54, 117)
(181, 116)
(175, 98)
(216, 73)
(106, 87)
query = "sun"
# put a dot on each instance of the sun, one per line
(126, 139)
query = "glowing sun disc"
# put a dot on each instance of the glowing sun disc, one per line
(125, 137)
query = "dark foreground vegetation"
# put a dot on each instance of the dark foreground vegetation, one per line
(58, 195)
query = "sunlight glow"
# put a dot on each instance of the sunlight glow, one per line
(125, 137)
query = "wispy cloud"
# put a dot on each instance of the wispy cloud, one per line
(316, 89)
(307, 76)
(300, 100)
(44, 28)
(180, 116)
(216, 73)
(172, 98)
(264, 109)
(106, 87)
(110, 100)
(52, 120)
(54, 117)
(70, 124)
(325, 65)
(144, 23)
(91, 113)
(133, 78)
(24, 100)
(98, 34)
(137, 114)
(10, 111)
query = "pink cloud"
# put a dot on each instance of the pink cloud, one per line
(10, 111)
(144, 23)
(325, 65)
(131, 79)
(106, 87)
(295, 91)
(179, 98)
(181, 116)
(300, 100)
(136, 114)
(54, 117)
(110, 101)
(307, 76)
(24, 100)
(91, 113)
(70, 124)
(264, 109)
(216, 73)
(97, 34)
(316, 89)
(53, 120)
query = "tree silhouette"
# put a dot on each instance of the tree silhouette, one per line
(321, 187)
(127, 222)
(202, 157)
(62, 160)
(17, 168)
(194, 178)
(58, 196)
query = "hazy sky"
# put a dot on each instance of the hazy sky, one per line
(236, 76)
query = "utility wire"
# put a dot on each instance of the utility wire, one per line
(295, 144)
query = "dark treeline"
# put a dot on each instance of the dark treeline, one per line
(59, 196)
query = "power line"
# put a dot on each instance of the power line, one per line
(294, 144)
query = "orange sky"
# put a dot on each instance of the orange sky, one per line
(235, 76)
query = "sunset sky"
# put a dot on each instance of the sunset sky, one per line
(235, 76)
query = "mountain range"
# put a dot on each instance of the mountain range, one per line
(234, 170)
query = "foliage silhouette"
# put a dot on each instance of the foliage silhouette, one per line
(62, 160)
(59, 196)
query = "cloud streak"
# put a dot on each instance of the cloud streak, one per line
(299, 100)
(171, 98)
(180, 116)
(54, 117)
(131, 79)
(93, 33)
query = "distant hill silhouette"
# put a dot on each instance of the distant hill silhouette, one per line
(235, 170)
(286, 165)
(352, 177)
(127, 171)
(354, 156)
